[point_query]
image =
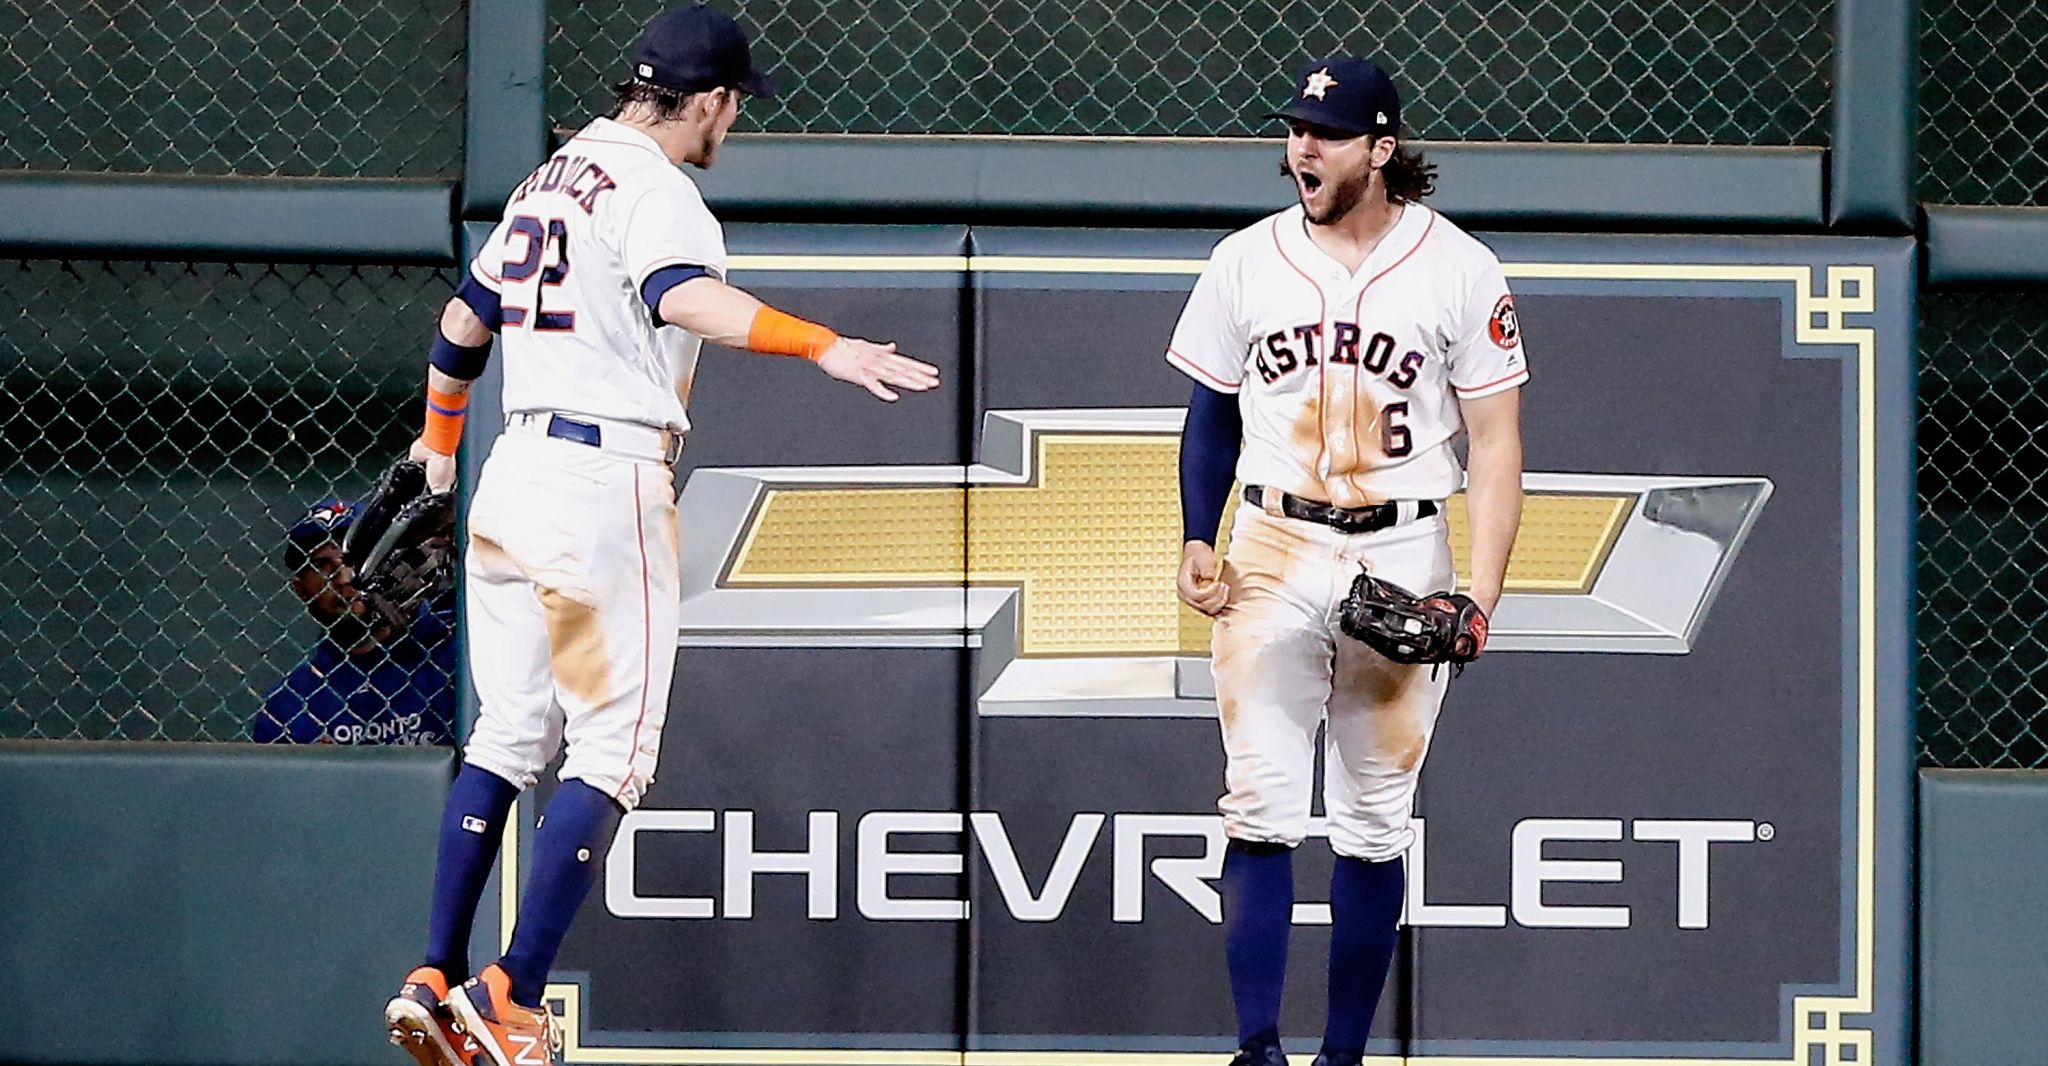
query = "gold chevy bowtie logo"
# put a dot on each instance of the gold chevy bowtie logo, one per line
(1055, 556)
(1091, 543)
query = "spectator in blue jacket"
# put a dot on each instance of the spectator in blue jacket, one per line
(364, 682)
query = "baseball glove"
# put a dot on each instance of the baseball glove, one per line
(403, 545)
(1443, 627)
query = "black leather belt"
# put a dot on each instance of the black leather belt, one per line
(1342, 519)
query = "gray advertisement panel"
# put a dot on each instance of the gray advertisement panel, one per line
(939, 777)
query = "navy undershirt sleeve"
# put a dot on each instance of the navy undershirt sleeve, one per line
(1209, 443)
(661, 281)
(483, 301)
(466, 363)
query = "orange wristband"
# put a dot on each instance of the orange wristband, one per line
(445, 411)
(783, 334)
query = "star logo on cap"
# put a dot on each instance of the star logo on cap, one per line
(1318, 84)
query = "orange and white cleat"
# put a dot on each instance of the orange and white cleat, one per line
(420, 1023)
(506, 1033)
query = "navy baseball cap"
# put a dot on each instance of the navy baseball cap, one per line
(323, 522)
(695, 49)
(1345, 94)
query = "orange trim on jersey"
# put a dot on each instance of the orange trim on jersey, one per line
(1188, 365)
(1357, 316)
(1322, 380)
(1396, 264)
(1281, 247)
(1463, 391)
(476, 266)
(646, 634)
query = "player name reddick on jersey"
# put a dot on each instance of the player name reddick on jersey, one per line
(578, 239)
(1348, 381)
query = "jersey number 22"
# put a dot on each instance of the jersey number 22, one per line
(541, 236)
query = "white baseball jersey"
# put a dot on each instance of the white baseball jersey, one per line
(1348, 381)
(573, 572)
(578, 239)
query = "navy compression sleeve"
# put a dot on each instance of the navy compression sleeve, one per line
(461, 362)
(489, 309)
(660, 282)
(1209, 442)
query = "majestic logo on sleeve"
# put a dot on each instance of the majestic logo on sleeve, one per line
(1071, 602)
(1502, 327)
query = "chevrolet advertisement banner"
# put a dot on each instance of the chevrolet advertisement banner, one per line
(939, 777)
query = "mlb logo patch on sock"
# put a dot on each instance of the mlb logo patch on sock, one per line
(474, 824)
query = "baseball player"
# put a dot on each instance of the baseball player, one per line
(603, 280)
(1337, 348)
(365, 682)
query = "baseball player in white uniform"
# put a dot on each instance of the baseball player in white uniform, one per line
(603, 281)
(1338, 348)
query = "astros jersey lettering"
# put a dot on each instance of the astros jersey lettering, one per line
(1348, 382)
(580, 236)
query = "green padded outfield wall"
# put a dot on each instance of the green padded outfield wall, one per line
(209, 904)
(1983, 946)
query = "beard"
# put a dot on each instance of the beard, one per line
(1341, 198)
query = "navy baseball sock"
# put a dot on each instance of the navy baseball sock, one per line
(471, 825)
(1365, 916)
(567, 851)
(1258, 916)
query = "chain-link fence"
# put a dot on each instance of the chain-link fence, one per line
(1983, 126)
(1644, 71)
(368, 88)
(165, 424)
(1983, 656)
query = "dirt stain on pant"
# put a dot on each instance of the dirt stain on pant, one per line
(576, 648)
(1387, 693)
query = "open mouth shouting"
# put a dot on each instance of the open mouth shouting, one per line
(1309, 183)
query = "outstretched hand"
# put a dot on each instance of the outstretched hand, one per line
(876, 367)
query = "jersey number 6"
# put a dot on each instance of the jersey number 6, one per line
(1395, 439)
(539, 237)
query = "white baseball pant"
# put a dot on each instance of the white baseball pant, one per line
(573, 581)
(1283, 666)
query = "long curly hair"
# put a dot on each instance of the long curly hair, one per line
(1409, 177)
(668, 104)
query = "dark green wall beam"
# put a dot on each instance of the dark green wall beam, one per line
(248, 219)
(505, 134)
(1870, 165)
(1987, 245)
(223, 903)
(1983, 947)
(1161, 181)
